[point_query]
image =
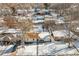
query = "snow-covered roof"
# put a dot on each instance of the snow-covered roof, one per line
(11, 31)
(45, 10)
(61, 18)
(77, 29)
(49, 16)
(54, 14)
(38, 21)
(38, 17)
(31, 10)
(21, 10)
(59, 21)
(43, 34)
(20, 17)
(61, 33)
(2, 29)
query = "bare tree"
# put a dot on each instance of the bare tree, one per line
(50, 26)
(13, 10)
(10, 21)
(25, 26)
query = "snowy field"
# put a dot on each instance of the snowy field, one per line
(50, 49)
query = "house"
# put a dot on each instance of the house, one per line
(31, 37)
(5, 11)
(22, 12)
(61, 35)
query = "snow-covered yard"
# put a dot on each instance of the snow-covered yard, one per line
(49, 48)
(52, 48)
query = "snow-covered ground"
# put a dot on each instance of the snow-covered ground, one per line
(53, 48)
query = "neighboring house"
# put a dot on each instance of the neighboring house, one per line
(32, 37)
(22, 12)
(5, 11)
(62, 35)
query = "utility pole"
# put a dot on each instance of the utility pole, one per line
(37, 47)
